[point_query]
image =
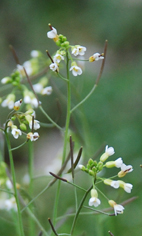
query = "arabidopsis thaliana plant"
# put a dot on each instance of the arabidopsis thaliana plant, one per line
(96, 57)
(118, 209)
(37, 87)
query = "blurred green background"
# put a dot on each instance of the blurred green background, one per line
(112, 115)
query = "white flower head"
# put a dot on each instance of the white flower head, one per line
(109, 150)
(10, 204)
(35, 53)
(47, 91)
(28, 67)
(76, 70)
(57, 58)
(78, 50)
(94, 200)
(118, 209)
(9, 184)
(112, 183)
(124, 170)
(16, 132)
(126, 186)
(17, 105)
(54, 66)
(33, 136)
(5, 80)
(9, 101)
(118, 162)
(34, 103)
(37, 87)
(36, 124)
(96, 57)
(52, 34)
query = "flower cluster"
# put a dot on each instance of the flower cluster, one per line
(76, 50)
(94, 167)
(24, 119)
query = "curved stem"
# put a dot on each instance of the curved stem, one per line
(48, 117)
(14, 185)
(88, 95)
(79, 209)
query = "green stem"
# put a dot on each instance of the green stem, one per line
(48, 117)
(14, 185)
(79, 209)
(88, 95)
(65, 136)
(31, 164)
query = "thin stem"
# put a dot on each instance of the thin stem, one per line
(88, 95)
(13, 149)
(48, 117)
(79, 209)
(102, 193)
(14, 185)
(65, 136)
(31, 164)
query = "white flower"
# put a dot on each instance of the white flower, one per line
(36, 124)
(37, 87)
(54, 67)
(124, 170)
(28, 67)
(9, 101)
(34, 53)
(57, 58)
(47, 91)
(118, 209)
(9, 184)
(34, 102)
(52, 34)
(17, 105)
(94, 201)
(5, 80)
(16, 132)
(76, 70)
(109, 150)
(78, 50)
(33, 136)
(126, 186)
(10, 204)
(112, 183)
(117, 163)
(95, 57)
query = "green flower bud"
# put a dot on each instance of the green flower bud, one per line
(100, 166)
(23, 127)
(65, 44)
